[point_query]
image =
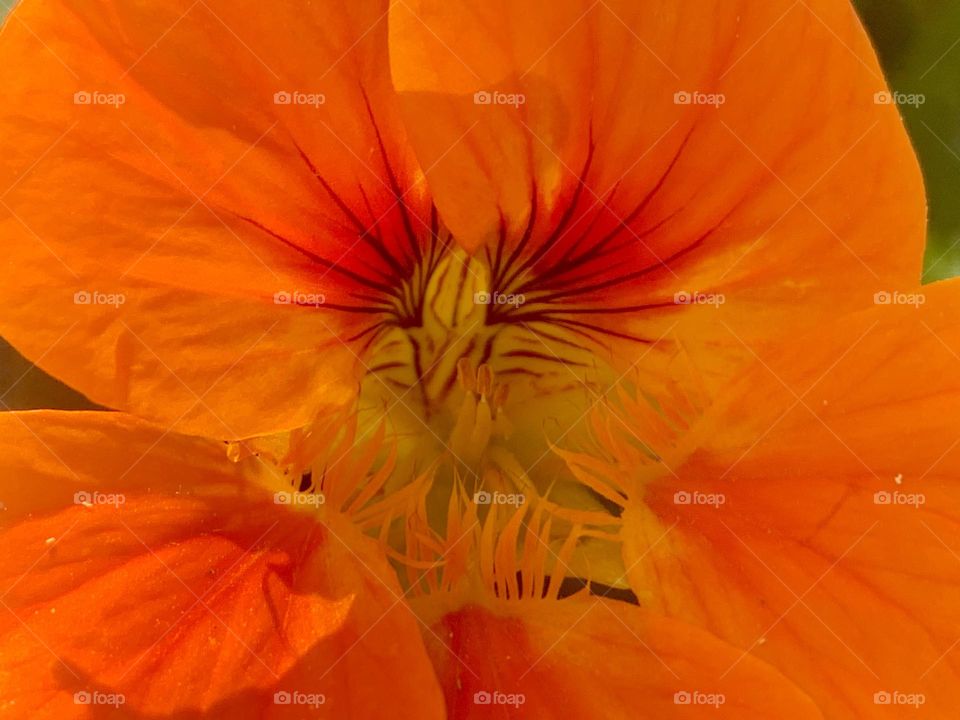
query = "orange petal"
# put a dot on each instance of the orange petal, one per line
(628, 152)
(592, 657)
(152, 569)
(145, 156)
(829, 550)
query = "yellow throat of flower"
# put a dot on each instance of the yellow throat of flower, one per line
(472, 454)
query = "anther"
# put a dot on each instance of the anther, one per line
(484, 380)
(466, 375)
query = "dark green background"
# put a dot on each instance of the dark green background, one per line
(919, 46)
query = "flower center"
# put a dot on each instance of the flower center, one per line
(461, 455)
(466, 380)
(477, 390)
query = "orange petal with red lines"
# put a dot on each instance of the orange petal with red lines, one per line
(828, 550)
(620, 158)
(139, 564)
(225, 188)
(581, 658)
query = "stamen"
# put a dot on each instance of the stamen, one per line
(471, 454)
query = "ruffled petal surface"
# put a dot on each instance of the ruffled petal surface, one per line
(234, 172)
(813, 523)
(644, 163)
(592, 657)
(154, 570)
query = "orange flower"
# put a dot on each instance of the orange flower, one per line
(159, 576)
(790, 561)
(175, 179)
(544, 338)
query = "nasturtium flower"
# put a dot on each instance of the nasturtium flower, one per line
(563, 359)
(159, 572)
(184, 184)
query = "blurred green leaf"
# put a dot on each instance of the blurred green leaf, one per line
(919, 46)
(23, 386)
